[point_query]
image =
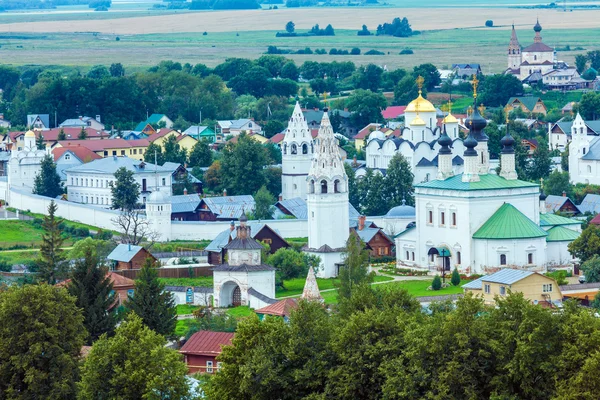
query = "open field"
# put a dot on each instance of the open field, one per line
(19, 232)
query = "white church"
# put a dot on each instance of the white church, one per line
(25, 164)
(478, 221)
(537, 58)
(584, 154)
(418, 142)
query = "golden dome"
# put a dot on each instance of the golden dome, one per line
(450, 119)
(417, 122)
(30, 134)
(420, 105)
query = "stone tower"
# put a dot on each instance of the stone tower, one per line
(158, 212)
(327, 202)
(297, 150)
(514, 51)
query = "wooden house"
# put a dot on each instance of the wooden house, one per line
(202, 349)
(127, 256)
(376, 241)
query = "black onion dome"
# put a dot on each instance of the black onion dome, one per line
(537, 27)
(476, 123)
(470, 144)
(243, 217)
(507, 143)
(445, 142)
(542, 196)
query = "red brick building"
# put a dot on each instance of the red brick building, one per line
(202, 348)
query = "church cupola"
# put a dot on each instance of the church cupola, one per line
(543, 209)
(444, 156)
(476, 124)
(507, 156)
(537, 28)
(470, 156)
(297, 149)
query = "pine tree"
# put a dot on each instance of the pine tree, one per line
(47, 182)
(61, 134)
(455, 280)
(39, 142)
(82, 134)
(542, 163)
(436, 284)
(151, 302)
(51, 264)
(93, 291)
(125, 191)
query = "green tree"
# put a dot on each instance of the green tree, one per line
(173, 152)
(289, 263)
(353, 195)
(51, 263)
(264, 200)
(589, 106)
(154, 153)
(495, 90)
(587, 244)
(591, 269)
(564, 159)
(242, 166)
(366, 107)
(98, 248)
(98, 72)
(580, 63)
(82, 134)
(368, 78)
(372, 193)
(407, 90)
(455, 280)
(93, 289)
(40, 343)
(39, 142)
(430, 73)
(201, 154)
(354, 271)
(290, 71)
(542, 162)
(398, 182)
(134, 364)
(436, 284)
(116, 70)
(557, 183)
(594, 57)
(125, 190)
(151, 302)
(47, 182)
(290, 27)
(61, 135)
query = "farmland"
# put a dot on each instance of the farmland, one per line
(448, 35)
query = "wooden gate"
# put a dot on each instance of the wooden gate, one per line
(237, 296)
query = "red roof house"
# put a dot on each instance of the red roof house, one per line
(393, 112)
(283, 308)
(595, 220)
(121, 285)
(202, 348)
(83, 153)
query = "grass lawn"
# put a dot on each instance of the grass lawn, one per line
(19, 232)
(66, 221)
(206, 281)
(240, 312)
(419, 288)
(182, 326)
(19, 257)
(295, 286)
(184, 309)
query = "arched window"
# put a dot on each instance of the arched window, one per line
(453, 219)
(589, 169)
(581, 129)
(458, 258)
(502, 259)
(294, 149)
(413, 256)
(285, 148)
(304, 148)
(323, 186)
(430, 217)
(311, 187)
(336, 186)
(584, 150)
(407, 256)
(529, 258)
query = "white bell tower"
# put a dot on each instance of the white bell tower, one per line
(327, 202)
(158, 212)
(297, 150)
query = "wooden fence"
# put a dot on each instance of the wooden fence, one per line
(183, 272)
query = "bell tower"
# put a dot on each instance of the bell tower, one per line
(327, 202)
(514, 51)
(297, 150)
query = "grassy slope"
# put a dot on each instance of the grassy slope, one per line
(19, 257)
(294, 287)
(13, 232)
(200, 281)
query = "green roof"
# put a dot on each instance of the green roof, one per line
(527, 101)
(509, 223)
(561, 234)
(153, 119)
(486, 182)
(555, 220)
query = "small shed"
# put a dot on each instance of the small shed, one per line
(128, 256)
(202, 348)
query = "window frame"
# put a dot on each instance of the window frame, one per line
(209, 366)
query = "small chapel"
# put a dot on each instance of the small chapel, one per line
(537, 58)
(25, 164)
(478, 221)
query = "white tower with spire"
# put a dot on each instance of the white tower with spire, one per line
(297, 150)
(327, 202)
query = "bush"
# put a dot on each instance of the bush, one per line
(5, 266)
(455, 280)
(374, 53)
(559, 276)
(82, 232)
(406, 51)
(436, 284)
(489, 23)
(355, 51)
(320, 51)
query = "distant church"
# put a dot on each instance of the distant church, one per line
(533, 61)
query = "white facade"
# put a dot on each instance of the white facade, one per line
(297, 151)
(327, 202)
(584, 154)
(158, 212)
(24, 164)
(90, 183)
(536, 58)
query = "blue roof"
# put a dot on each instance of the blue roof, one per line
(224, 237)
(110, 165)
(476, 284)
(229, 207)
(402, 211)
(507, 276)
(124, 252)
(185, 203)
(590, 203)
(594, 151)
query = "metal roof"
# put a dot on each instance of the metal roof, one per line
(528, 101)
(561, 234)
(110, 165)
(207, 343)
(223, 238)
(124, 252)
(185, 203)
(298, 208)
(509, 223)
(594, 150)
(366, 234)
(229, 207)
(590, 203)
(507, 276)
(554, 220)
(402, 211)
(243, 268)
(476, 284)
(486, 182)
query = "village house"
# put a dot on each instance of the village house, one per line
(313, 119)
(154, 120)
(225, 208)
(237, 126)
(117, 147)
(70, 156)
(128, 256)
(203, 133)
(38, 121)
(561, 132)
(202, 349)
(535, 287)
(3, 122)
(561, 204)
(90, 183)
(162, 135)
(564, 79)
(14, 140)
(123, 287)
(527, 104)
(590, 204)
(376, 241)
(83, 122)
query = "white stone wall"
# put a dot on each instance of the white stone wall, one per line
(487, 254)
(329, 261)
(557, 254)
(200, 299)
(328, 220)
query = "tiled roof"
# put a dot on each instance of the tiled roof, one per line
(555, 220)
(561, 234)
(207, 343)
(243, 244)
(81, 152)
(486, 182)
(509, 223)
(283, 308)
(507, 276)
(124, 252)
(595, 220)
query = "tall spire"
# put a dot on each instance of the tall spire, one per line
(327, 161)
(311, 288)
